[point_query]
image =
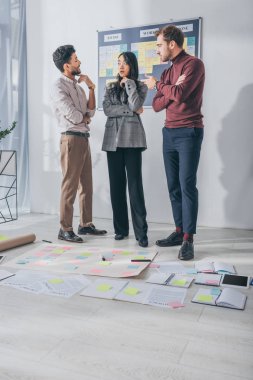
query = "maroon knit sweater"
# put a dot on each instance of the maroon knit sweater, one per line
(182, 102)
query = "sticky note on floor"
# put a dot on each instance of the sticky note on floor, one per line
(215, 291)
(131, 291)
(105, 263)
(205, 298)
(55, 281)
(180, 282)
(139, 257)
(103, 287)
(58, 251)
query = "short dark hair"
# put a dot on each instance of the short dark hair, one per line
(62, 55)
(172, 33)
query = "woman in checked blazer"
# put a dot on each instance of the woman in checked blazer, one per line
(124, 141)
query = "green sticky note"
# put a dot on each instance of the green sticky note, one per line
(104, 263)
(58, 250)
(205, 298)
(85, 254)
(131, 291)
(126, 253)
(55, 281)
(3, 237)
(181, 282)
(103, 287)
(139, 257)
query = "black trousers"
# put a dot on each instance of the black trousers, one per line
(181, 152)
(124, 167)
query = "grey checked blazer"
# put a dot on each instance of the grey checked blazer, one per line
(123, 128)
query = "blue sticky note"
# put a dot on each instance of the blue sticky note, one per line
(215, 291)
(70, 266)
(133, 266)
(22, 261)
(191, 271)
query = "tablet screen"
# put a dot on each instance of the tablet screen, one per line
(234, 280)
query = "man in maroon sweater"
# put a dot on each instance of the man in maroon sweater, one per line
(179, 91)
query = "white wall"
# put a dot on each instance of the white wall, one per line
(225, 177)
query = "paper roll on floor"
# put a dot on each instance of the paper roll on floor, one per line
(16, 241)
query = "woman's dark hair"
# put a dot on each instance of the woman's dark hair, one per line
(131, 60)
(62, 55)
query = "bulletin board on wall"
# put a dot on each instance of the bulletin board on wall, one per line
(140, 40)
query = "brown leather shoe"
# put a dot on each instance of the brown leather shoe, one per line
(69, 236)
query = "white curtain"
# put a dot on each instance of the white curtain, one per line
(13, 90)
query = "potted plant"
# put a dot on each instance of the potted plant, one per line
(6, 131)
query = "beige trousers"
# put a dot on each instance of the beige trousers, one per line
(77, 177)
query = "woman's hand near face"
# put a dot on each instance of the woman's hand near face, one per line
(123, 81)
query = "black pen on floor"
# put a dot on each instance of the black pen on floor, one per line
(140, 261)
(46, 241)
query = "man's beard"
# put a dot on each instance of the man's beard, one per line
(76, 72)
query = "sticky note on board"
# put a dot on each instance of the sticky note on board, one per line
(103, 287)
(131, 291)
(180, 282)
(55, 281)
(205, 298)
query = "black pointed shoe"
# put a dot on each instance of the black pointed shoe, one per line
(69, 236)
(173, 239)
(186, 252)
(143, 242)
(91, 230)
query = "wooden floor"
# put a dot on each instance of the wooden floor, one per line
(81, 338)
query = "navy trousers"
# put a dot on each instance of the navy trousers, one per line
(125, 166)
(181, 152)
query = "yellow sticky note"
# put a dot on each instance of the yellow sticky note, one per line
(103, 287)
(55, 281)
(105, 263)
(131, 291)
(205, 298)
(139, 257)
(3, 237)
(181, 282)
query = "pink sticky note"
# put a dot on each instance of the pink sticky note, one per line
(175, 305)
(152, 265)
(128, 274)
(212, 282)
(40, 263)
(96, 271)
(38, 254)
